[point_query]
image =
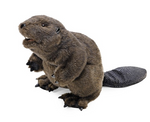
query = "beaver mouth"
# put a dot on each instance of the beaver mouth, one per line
(28, 39)
(29, 42)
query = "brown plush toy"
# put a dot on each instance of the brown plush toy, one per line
(71, 60)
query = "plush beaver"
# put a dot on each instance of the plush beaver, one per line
(71, 60)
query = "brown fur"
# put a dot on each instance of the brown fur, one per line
(69, 59)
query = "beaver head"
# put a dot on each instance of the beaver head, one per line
(42, 34)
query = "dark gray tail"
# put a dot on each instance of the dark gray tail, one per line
(124, 76)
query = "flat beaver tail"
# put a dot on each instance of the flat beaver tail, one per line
(124, 76)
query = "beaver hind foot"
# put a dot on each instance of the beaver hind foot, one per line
(75, 101)
(71, 100)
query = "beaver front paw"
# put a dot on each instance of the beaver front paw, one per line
(33, 66)
(35, 63)
(44, 83)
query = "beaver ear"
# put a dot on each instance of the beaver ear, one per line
(57, 30)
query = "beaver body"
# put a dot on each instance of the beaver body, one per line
(70, 60)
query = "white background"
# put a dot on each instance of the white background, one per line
(121, 29)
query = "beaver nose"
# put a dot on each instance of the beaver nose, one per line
(22, 25)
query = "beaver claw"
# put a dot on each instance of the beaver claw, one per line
(37, 85)
(80, 108)
(33, 66)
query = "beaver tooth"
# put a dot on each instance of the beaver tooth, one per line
(27, 38)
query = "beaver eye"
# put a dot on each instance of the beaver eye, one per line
(44, 24)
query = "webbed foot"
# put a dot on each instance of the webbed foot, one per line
(74, 101)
